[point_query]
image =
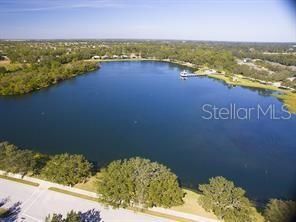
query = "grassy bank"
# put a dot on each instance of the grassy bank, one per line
(287, 97)
(190, 205)
(19, 181)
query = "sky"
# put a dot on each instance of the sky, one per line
(215, 20)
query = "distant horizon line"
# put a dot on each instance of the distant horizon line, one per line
(138, 39)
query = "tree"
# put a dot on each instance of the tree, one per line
(2, 70)
(67, 169)
(280, 211)
(15, 160)
(139, 182)
(226, 201)
(73, 216)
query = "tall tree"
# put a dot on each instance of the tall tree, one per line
(67, 169)
(139, 182)
(226, 201)
(280, 211)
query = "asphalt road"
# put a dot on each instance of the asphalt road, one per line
(37, 203)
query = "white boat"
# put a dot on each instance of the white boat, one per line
(183, 73)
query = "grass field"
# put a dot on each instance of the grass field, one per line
(192, 206)
(90, 185)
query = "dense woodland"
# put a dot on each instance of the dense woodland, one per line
(139, 182)
(26, 66)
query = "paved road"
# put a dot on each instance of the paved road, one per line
(38, 202)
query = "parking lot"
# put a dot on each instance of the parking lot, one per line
(37, 203)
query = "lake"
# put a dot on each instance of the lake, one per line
(144, 109)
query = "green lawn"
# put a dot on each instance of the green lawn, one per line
(19, 180)
(73, 194)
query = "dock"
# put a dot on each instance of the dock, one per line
(185, 74)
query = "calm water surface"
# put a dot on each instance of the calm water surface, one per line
(143, 109)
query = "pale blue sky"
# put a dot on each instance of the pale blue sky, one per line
(223, 20)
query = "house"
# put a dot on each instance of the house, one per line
(245, 60)
(124, 56)
(115, 56)
(96, 57)
(210, 71)
(291, 79)
(133, 56)
(105, 57)
(234, 79)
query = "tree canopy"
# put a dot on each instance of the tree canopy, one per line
(15, 160)
(280, 211)
(73, 216)
(139, 182)
(67, 169)
(226, 201)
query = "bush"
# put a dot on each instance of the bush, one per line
(280, 211)
(139, 182)
(226, 201)
(67, 169)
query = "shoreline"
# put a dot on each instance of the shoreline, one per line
(288, 98)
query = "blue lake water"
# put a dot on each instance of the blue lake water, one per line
(144, 109)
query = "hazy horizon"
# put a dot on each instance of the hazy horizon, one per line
(188, 20)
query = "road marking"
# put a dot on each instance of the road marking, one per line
(33, 201)
(28, 199)
(34, 218)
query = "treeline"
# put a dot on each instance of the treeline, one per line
(140, 182)
(284, 59)
(34, 77)
(42, 63)
(279, 75)
(64, 52)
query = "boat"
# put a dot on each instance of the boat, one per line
(183, 73)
